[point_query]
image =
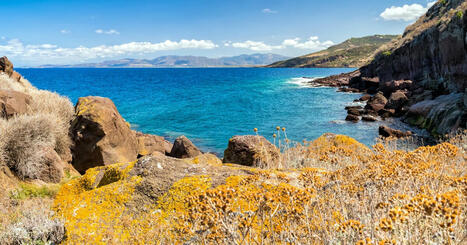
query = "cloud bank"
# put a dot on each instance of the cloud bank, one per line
(15, 48)
(405, 12)
(313, 43)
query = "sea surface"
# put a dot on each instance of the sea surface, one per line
(210, 105)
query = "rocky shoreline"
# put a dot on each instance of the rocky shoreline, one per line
(420, 77)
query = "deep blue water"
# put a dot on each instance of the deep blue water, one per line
(211, 105)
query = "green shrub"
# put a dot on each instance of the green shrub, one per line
(26, 191)
(387, 53)
(460, 14)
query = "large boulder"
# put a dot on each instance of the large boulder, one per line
(148, 144)
(397, 100)
(184, 148)
(377, 102)
(12, 103)
(250, 150)
(100, 135)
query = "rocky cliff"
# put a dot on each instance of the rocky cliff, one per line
(428, 63)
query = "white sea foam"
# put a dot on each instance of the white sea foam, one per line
(303, 82)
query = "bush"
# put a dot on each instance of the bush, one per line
(60, 109)
(24, 138)
(35, 227)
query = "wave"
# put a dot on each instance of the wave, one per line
(303, 82)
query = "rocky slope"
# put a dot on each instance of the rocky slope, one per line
(428, 65)
(354, 52)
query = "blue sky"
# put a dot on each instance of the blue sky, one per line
(60, 32)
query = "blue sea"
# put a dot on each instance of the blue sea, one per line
(210, 105)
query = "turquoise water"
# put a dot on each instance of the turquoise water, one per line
(209, 105)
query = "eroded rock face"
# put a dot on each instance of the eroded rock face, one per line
(250, 150)
(439, 116)
(100, 135)
(148, 144)
(12, 103)
(184, 148)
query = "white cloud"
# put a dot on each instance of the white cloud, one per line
(269, 11)
(405, 12)
(312, 44)
(50, 52)
(255, 46)
(65, 31)
(109, 32)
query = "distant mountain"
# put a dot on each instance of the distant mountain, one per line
(354, 52)
(182, 61)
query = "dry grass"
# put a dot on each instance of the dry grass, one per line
(24, 139)
(45, 125)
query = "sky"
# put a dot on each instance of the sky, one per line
(69, 32)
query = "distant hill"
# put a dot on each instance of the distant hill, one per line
(354, 52)
(182, 61)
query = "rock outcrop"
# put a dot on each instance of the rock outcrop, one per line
(13, 103)
(250, 150)
(100, 135)
(7, 67)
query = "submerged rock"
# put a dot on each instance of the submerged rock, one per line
(100, 135)
(250, 150)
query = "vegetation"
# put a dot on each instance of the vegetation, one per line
(354, 52)
(331, 190)
(25, 137)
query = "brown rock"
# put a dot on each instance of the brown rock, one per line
(365, 97)
(13, 102)
(385, 113)
(354, 112)
(386, 131)
(397, 100)
(148, 144)
(352, 118)
(100, 135)
(250, 150)
(16, 76)
(6, 66)
(52, 167)
(184, 148)
(377, 102)
(369, 118)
